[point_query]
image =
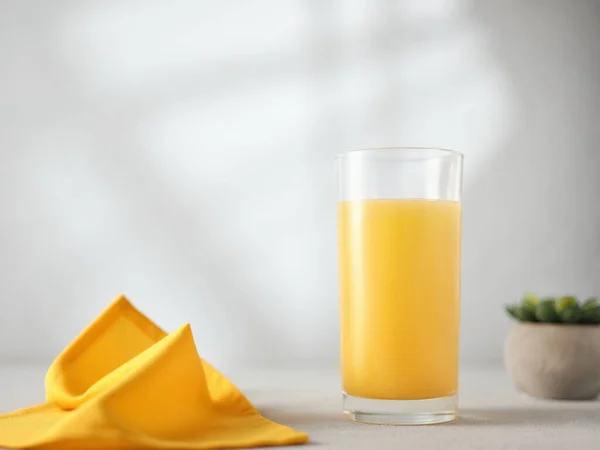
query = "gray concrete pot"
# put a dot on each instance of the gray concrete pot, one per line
(554, 360)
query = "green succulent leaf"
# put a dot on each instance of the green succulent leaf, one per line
(590, 314)
(571, 313)
(590, 303)
(565, 302)
(525, 315)
(530, 302)
(531, 296)
(546, 311)
(511, 311)
(566, 309)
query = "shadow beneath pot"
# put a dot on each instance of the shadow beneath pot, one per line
(553, 415)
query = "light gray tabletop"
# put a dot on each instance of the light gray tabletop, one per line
(492, 414)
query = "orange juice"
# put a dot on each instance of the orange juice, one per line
(400, 288)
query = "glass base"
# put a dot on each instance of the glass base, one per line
(400, 412)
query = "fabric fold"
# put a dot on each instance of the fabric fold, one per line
(124, 383)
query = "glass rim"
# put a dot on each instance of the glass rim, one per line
(446, 151)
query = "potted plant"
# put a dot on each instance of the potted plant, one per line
(554, 351)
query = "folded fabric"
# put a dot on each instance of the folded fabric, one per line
(125, 384)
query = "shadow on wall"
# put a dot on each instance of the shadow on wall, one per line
(531, 214)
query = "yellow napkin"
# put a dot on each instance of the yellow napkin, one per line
(125, 384)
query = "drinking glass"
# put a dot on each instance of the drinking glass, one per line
(399, 232)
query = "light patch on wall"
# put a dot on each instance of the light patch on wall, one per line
(201, 145)
(449, 84)
(129, 45)
(431, 9)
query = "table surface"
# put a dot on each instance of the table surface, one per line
(492, 414)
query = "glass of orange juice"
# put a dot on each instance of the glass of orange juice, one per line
(399, 232)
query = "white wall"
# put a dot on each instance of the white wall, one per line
(181, 152)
